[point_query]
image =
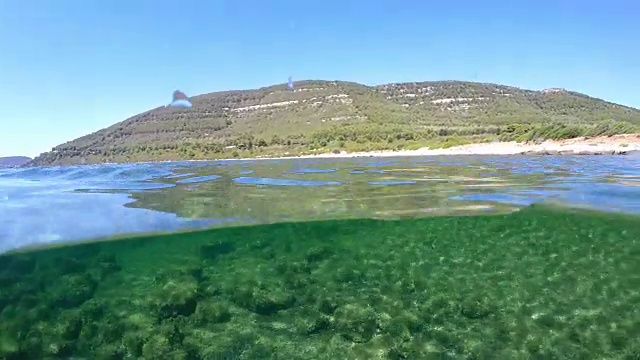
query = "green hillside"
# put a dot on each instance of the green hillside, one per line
(324, 116)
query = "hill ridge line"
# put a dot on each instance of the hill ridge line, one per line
(320, 116)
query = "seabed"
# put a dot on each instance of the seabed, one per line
(540, 283)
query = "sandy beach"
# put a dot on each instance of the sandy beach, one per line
(602, 145)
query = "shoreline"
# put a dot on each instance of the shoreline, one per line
(623, 144)
(600, 145)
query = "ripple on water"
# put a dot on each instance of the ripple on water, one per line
(176, 176)
(313, 171)
(198, 179)
(498, 198)
(391, 182)
(247, 180)
(368, 172)
(110, 187)
(80, 202)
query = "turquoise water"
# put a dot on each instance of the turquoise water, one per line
(60, 204)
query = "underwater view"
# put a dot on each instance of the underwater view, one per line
(300, 180)
(452, 257)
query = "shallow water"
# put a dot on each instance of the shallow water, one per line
(386, 279)
(542, 283)
(45, 205)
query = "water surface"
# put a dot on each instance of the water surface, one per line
(328, 259)
(57, 204)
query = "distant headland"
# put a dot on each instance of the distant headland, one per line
(12, 161)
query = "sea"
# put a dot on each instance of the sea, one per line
(434, 257)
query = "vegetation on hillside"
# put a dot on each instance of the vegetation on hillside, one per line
(324, 116)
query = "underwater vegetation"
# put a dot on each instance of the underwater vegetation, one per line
(540, 283)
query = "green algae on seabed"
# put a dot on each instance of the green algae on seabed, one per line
(542, 283)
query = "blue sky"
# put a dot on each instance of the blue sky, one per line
(68, 68)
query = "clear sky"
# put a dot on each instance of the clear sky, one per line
(71, 67)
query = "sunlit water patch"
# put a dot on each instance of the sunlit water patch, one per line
(282, 182)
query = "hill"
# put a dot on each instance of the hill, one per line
(11, 161)
(325, 116)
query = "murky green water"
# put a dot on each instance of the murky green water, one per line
(544, 283)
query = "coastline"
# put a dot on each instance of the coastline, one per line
(600, 145)
(623, 144)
